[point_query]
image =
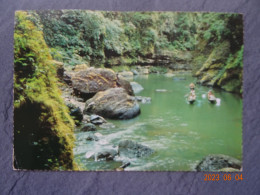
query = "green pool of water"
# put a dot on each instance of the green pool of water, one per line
(181, 134)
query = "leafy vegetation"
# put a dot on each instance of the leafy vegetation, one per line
(43, 129)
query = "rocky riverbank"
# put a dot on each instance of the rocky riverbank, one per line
(94, 95)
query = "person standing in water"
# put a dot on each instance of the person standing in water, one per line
(192, 86)
(192, 95)
(211, 96)
(192, 89)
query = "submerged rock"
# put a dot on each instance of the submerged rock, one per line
(107, 126)
(98, 134)
(161, 90)
(88, 127)
(133, 149)
(179, 78)
(136, 87)
(92, 137)
(108, 154)
(215, 162)
(113, 103)
(144, 100)
(169, 75)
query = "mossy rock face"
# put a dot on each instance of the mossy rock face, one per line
(232, 86)
(216, 59)
(42, 141)
(43, 128)
(207, 78)
(231, 80)
(216, 72)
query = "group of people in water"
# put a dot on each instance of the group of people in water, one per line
(192, 95)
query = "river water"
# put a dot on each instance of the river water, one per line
(180, 133)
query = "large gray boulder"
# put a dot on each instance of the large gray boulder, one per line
(113, 103)
(133, 149)
(215, 162)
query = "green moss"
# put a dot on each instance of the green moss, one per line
(43, 129)
(120, 68)
(156, 69)
(232, 85)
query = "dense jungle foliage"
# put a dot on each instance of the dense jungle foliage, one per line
(43, 129)
(149, 38)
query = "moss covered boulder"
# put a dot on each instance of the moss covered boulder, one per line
(113, 103)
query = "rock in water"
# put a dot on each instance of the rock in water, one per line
(92, 137)
(88, 127)
(134, 72)
(127, 74)
(136, 87)
(87, 83)
(133, 149)
(144, 100)
(113, 103)
(97, 120)
(107, 126)
(108, 154)
(215, 162)
(75, 112)
(161, 90)
(121, 82)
